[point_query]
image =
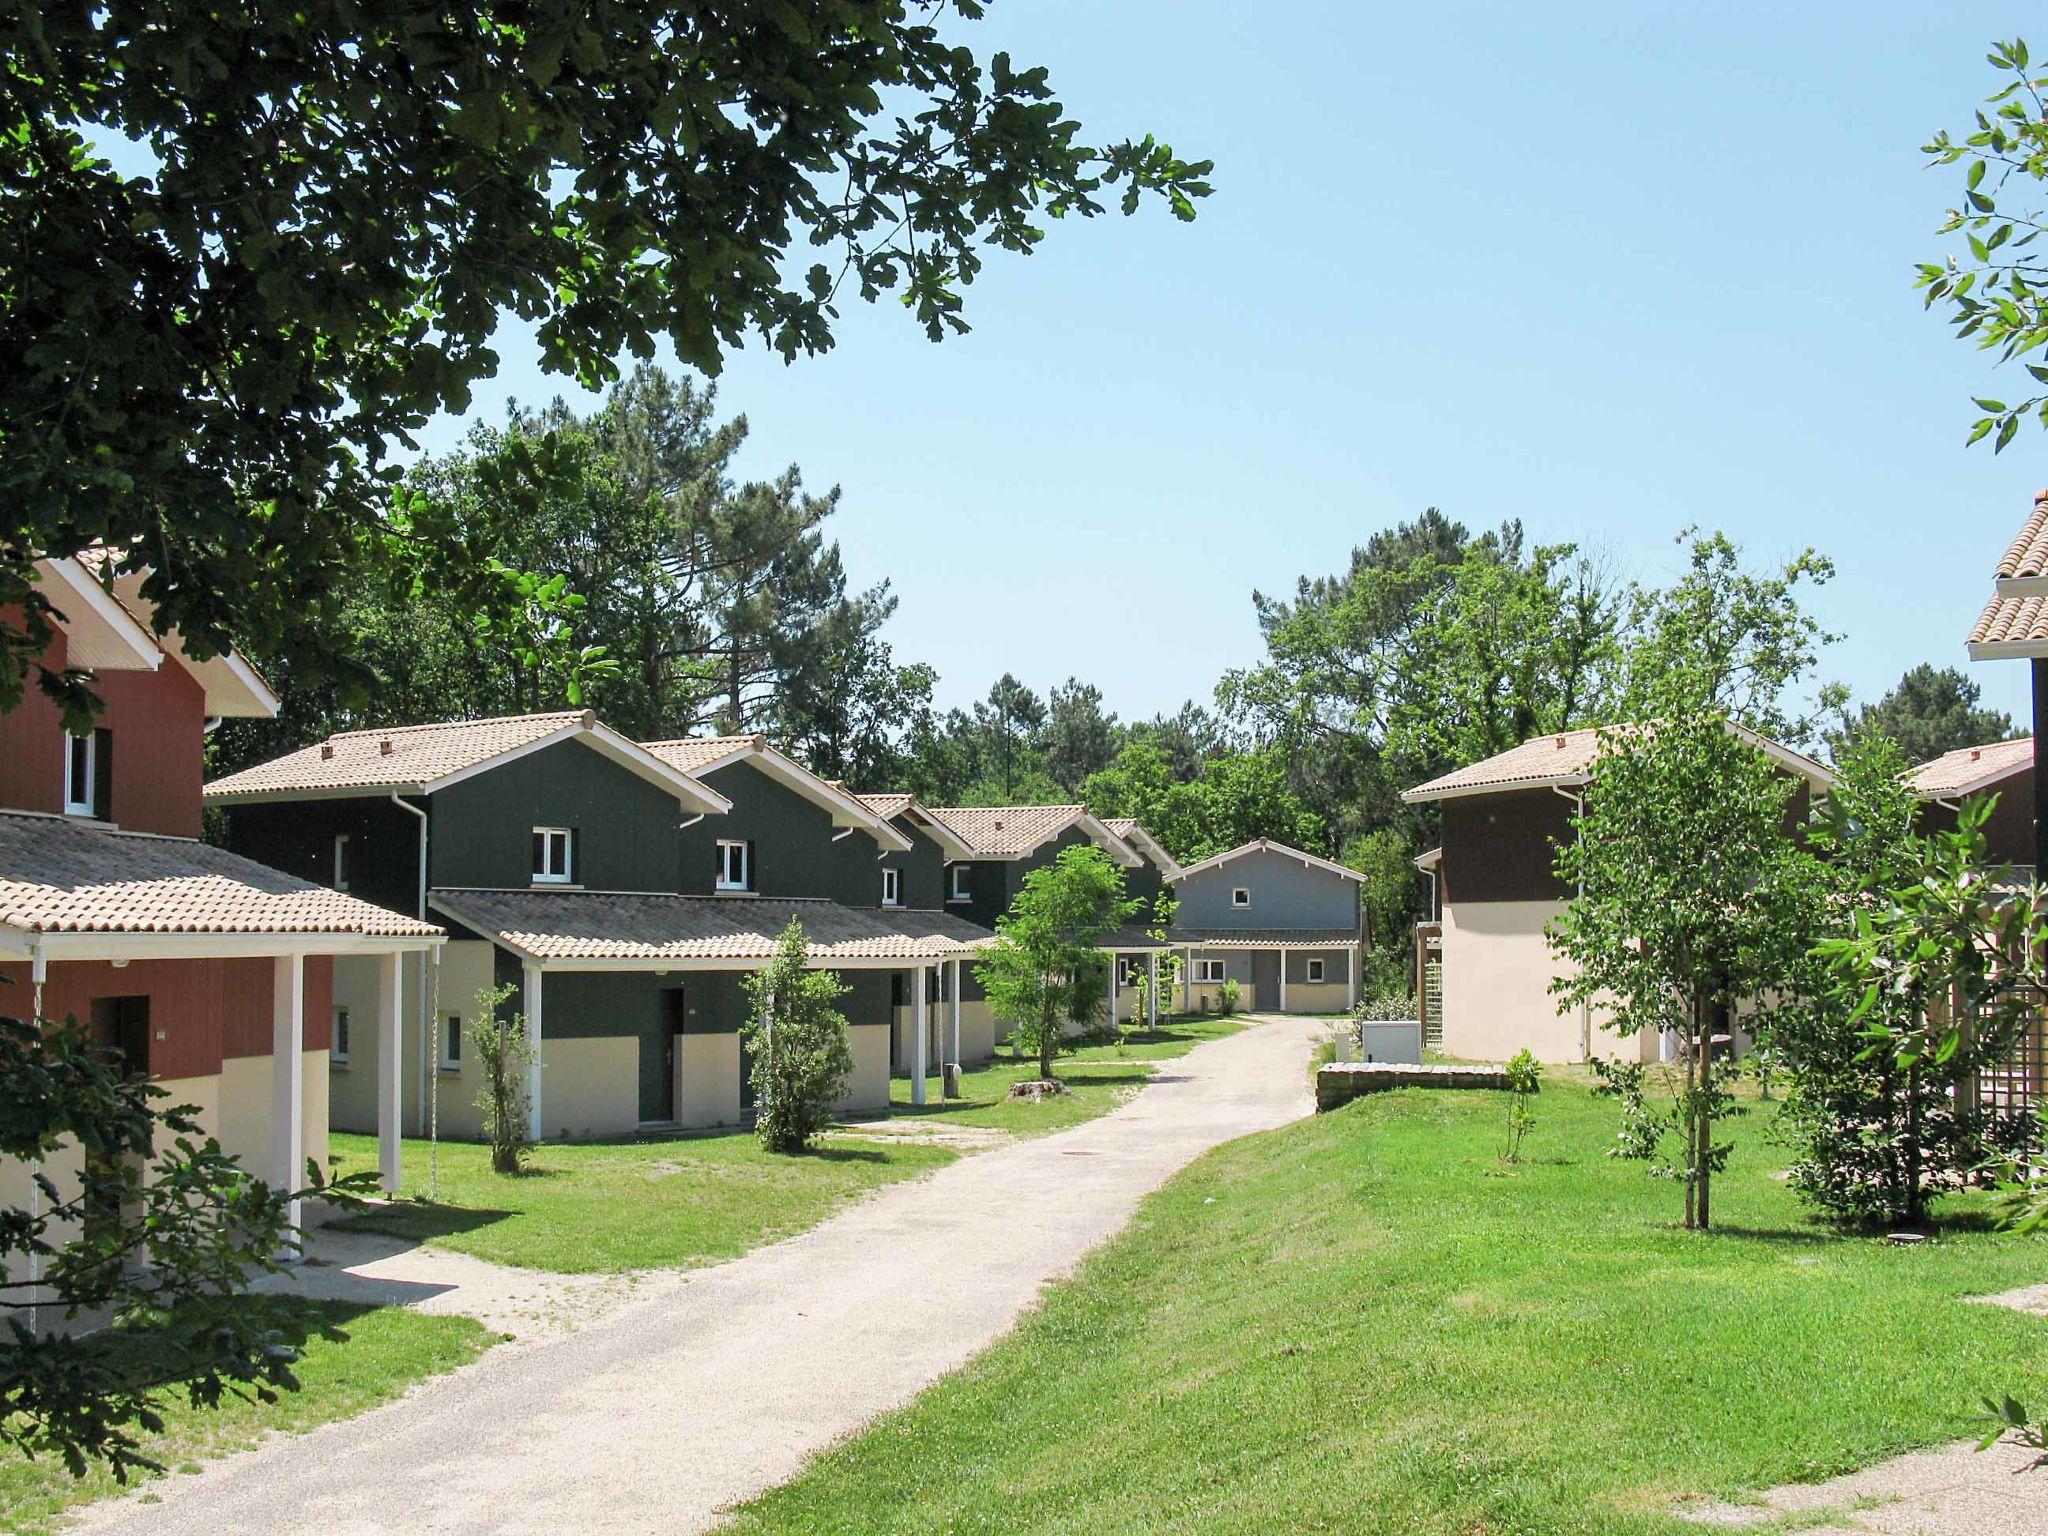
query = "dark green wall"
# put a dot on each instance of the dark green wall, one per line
(298, 838)
(794, 854)
(924, 873)
(624, 826)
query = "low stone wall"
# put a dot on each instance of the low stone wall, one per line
(1341, 1082)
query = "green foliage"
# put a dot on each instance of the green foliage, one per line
(1386, 857)
(1929, 712)
(1230, 996)
(1233, 798)
(1694, 900)
(158, 1231)
(1995, 292)
(1044, 970)
(504, 1059)
(802, 1053)
(212, 360)
(1641, 1130)
(2007, 1416)
(1525, 1081)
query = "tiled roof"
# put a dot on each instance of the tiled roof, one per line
(405, 754)
(888, 806)
(1260, 938)
(60, 876)
(689, 753)
(628, 926)
(1563, 755)
(1122, 826)
(2027, 555)
(2011, 621)
(1970, 768)
(1005, 831)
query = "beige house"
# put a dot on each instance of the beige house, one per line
(1497, 891)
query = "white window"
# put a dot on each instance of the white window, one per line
(79, 773)
(733, 867)
(451, 1043)
(1209, 971)
(337, 1045)
(959, 883)
(892, 887)
(341, 861)
(1240, 896)
(552, 864)
(1315, 967)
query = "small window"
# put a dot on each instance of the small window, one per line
(451, 1043)
(341, 861)
(1240, 896)
(959, 883)
(78, 775)
(337, 1045)
(1210, 971)
(735, 868)
(552, 855)
(1315, 967)
(892, 887)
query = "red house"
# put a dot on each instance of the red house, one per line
(208, 971)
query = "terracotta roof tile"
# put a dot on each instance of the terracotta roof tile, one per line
(2027, 555)
(1006, 831)
(60, 876)
(887, 806)
(404, 754)
(1562, 755)
(690, 753)
(2011, 621)
(1970, 768)
(1259, 938)
(607, 925)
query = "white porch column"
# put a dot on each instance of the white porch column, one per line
(1351, 966)
(1152, 990)
(1112, 988)
(1283, 981)
(288, 1084)
(390, 1068)
(531, 1005)
(917, 1029)
(1187, 980)
(953, 1006)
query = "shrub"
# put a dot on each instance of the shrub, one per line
(798, 1038)
(503, 1054)
(1230, 994)
(1525, 1081)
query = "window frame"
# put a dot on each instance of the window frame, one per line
(721, 879)
(892, 886)
(1313, 969)
(1240, 897)
(337, 1038)
(80, 804)
(956, 888)
(451, 1030)
(341, 861)
(547, 836)
(1209, 972)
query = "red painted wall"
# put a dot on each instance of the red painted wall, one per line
(159, 724)
(205, 1010)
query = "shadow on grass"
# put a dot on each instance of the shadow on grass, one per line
(842, 1155)
(421, 1219)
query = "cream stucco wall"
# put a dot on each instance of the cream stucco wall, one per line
(1208, 998)
(1497, 968)
(352, 1086)
(63, 1168)
(590, 1087)
(1318, 997)
(708, 1080)
(867, 1086)
(977, 1034)
(241, 1100)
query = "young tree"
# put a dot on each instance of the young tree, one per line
(159, 1231)
(1044, 970)
(217, 341)
(1929, 712)
(504, 1057)
(802, 1054)
(1694, 901)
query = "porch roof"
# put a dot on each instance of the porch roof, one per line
(635, 930)
(1262, 938)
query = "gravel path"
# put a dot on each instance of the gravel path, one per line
(716, 1384)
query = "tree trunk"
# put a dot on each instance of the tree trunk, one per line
(1045, 1038)
(1703, 1154)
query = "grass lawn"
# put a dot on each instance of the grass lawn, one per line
(1097, 1078)
(1363, 1323)
(647, 1203)
(385, 1352)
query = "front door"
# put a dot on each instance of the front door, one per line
(658, 1058)
(120, 1026)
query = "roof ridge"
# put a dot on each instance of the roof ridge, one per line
(452, 725)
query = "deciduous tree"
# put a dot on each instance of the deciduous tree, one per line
(1044, 971)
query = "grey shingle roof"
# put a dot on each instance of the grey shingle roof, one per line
(652, 926)
(62, 876)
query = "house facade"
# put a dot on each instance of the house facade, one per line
(2001, 768)
(211, 973)
(1497, 891)
(619, 892)
(1285, 925)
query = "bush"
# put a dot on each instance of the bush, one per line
(1230, 994)
(798, 1038)
(1525, 1081)
(504, 1056)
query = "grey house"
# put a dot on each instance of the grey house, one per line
(623, 890)
(1285, 925)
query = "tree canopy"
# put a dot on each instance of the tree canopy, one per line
(252, 250)
(1929, 711)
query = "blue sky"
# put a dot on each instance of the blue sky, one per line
(1609, 269)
